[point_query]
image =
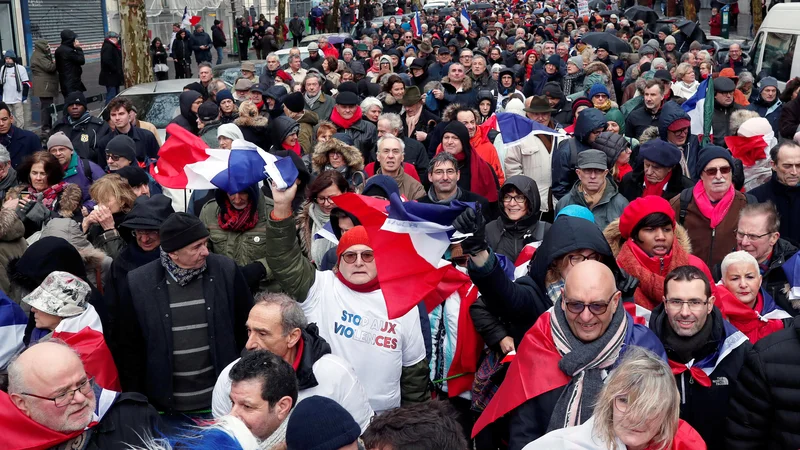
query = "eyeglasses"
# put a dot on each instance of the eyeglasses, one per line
(518, 199)
(323, 200)
(598, 308)
(681, 131)
(752, 237)
(66, 398)
(621, 403)
(114, 158)
(143, 233)
(676, 305)
(367, 256)
(576, 259)
(449, 172)
(335, 154)
(712, 171)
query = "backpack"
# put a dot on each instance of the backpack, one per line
(686, 198)
(87, 171)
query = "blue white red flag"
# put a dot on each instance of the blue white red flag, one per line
(409, 240)
(518, 130)
(416, 25)
(188, 21)
(12, 329)
(464, 19)
(185, 163)
(700, 108)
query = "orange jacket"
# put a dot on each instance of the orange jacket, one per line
(480, 144)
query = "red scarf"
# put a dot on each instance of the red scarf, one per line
(341, 122)
(49, 195)
(749, 149)
(715, 213)
(650, 270)
(299, 355)
(295, 148)
(745, 319)
(696, 372)
(372, 285)
(622, 170)
(237, 219)
(655, 188)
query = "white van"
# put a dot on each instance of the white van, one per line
(773, 48)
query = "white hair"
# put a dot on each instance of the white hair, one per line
(390, 137)
(738, 257)
(369, 102)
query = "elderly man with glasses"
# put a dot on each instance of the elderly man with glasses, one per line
(57, 405)
(388, 355)
(560, 367)
(705, 351)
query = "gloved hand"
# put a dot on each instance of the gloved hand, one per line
(34, 212)
(472, 221)
(254, 273)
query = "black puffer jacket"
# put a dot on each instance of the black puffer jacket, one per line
(705, 408)
(764, 411)
(69, 62)
(721, 121)
(365, 137)
(509, 237)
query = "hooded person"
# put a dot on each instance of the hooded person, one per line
(285, 133)
(565, 156)
(768, 103)
(47, 255)
(617, 150)
(477, 175)
(657, 172)
(518, 224)
(487, 104)
(69, 63)
(336, 154)
(674, 126)
(187, 119)
(236, 222)
(649, 244)
(294, 107)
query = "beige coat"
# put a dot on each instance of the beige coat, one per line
(533, 161)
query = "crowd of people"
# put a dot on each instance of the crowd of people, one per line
(629, 284)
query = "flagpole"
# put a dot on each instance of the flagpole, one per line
(708, 110)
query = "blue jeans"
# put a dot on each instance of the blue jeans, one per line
(111, 92)
(219, 54)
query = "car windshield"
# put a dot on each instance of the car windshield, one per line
(230, 74)
(158, 109)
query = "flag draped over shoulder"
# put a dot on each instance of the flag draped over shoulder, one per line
(409, 240)
(700, 108)
(12, 329)
(520, 131)
(185, 163)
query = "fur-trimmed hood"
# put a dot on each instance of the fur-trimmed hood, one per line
(467, 83)
(352, 156)
(69, 200)
(11, 228)
(615, 240)
(598, 66)
(245, 121)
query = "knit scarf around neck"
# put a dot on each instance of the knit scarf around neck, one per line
(369, 286)
(341, 122)
(295, 148)
(569, 80)
(237, 220)
(650, 270)
(182, 276)
(311, 99)
(715, 213)
(72, 167)
(655, 188)
(80, 120)
(584, 362)
(605, 106)
(49, 195)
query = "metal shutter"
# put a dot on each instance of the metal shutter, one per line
(84, 17)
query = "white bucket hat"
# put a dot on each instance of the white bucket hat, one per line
(61, 294)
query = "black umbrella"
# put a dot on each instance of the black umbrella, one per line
(607, 13)
(641, 13)
(446, 11)
(598, 5)
(615, 45)
(474, 6)
(686, 26)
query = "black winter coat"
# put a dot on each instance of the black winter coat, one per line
(218, 37)
(564, 175)
(764, 411)
(632, 184)
(509, 237)
(706, 408)
(126, 423)
(144, 356)
(69, 62)
(721, 122)
(182, 50)
(365, 137)
(88, 137)
(199, 39)
(111, 72)
(787, 200)
(639, 120)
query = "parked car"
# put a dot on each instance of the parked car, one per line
(773, 48)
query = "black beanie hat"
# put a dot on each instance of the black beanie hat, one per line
(319, 423)
(75, 98)
(122, 146)
(294, 102)
(460, 130)
(710, 153)
(180, 230)
(134, 174)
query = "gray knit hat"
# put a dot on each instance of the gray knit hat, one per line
(577, 60)
(59, 139)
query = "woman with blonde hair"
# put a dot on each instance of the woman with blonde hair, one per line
(114, 198)
(685, 84)
(637, 409)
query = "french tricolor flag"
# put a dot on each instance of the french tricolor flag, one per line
(185, 163)
(700, 108)
(12, 329)
(409, 240)
(416, 25)
(518, 130)
(464, 19)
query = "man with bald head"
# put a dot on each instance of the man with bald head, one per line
(57, 405)
(560, 366)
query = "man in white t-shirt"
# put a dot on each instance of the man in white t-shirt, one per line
(15, 84)
(277, 324)
(348, 305)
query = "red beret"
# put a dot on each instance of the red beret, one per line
(354, 236)
(641, 208)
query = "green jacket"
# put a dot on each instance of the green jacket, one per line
(296, 275)
(243, 247)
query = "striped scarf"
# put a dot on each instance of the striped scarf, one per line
(584, 362)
